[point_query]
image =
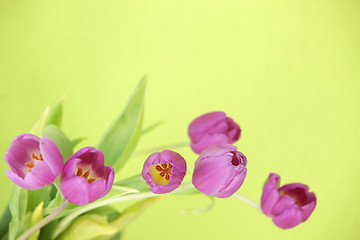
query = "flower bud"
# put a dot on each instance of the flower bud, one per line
(219, 171)
(212, 128)
(164, 171)
(288, 205)
(85, 178)
(34, 162)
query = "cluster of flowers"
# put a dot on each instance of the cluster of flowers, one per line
(219, 171)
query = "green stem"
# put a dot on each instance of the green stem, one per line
(247, 201)
(116, 199)
(44, 221)
(57, 185)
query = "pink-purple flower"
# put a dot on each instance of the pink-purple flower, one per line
(288, 205)
(212, 128)
(219, 171)
(164, 171)
(85, 178)
(34, 162)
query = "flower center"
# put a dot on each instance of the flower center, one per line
(160, 174)
(34, 158)
(79, 172)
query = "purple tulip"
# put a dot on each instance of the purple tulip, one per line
(212, 128)
(219, 171)
(85, 178)
(288, 205)
(164, 171)
(35, 162)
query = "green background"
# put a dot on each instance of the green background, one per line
(286, 71)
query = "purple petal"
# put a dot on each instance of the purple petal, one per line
(16, 157)
(288, 219)
(76, 190)
(204, 123)
(207, 141)
(218, 150)
(40, 173)
(234, 184)
(81, 152)
(96, 189)
(309, 208)
(233, 131)
(212, 174)
(51, 155)
(285, 202)
(175, 159)
(270, 194)
(109, 176)
(69, 168)
(20, 181)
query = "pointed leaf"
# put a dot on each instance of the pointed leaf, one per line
(4, 221)
(120, 140)
(76, 141)
(86, 227)
(36, 217)
(151, 127)
(38, 128)
(55, 114)
(18, 203)
(131, 213)
(61, 140)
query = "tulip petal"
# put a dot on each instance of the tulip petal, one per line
(20, 181)
(42, 173)
(212, 175)
(109, 175)
(234, 184)
(204, 123)
(207, 141)
(96, 189)
(76, 190)
(288, 219)
(52, 155)
(270, 194)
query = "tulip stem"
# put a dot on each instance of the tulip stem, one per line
(160, 148)
(247, 201)
(116, 199)
(57, 185)
(44, 221)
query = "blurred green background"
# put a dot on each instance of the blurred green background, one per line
(287, 71)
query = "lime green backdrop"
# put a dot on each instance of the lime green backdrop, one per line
(286, 71)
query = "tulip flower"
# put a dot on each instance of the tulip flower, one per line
(34, 162)
(288, 205)
(164, 171)
(212, 128)
(85, 178)
(219, 171)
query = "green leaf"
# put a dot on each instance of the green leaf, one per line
(38, 128)
(88, 226)
(55, 203)
(18, 203)
(76, 141)
(131, 213)
(121, 138)
(38, 196)
(36, 217)
(48, 230)
(4, 221)
(151, 127)
(55, 114)
(135, 182)
(63, 143)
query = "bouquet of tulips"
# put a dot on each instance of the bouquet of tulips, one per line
(59, 192)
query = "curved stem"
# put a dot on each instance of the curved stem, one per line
(247, 201)
(44, 221)
(116, 199)
(57, 185)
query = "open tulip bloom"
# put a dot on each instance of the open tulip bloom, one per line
(71, 186)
